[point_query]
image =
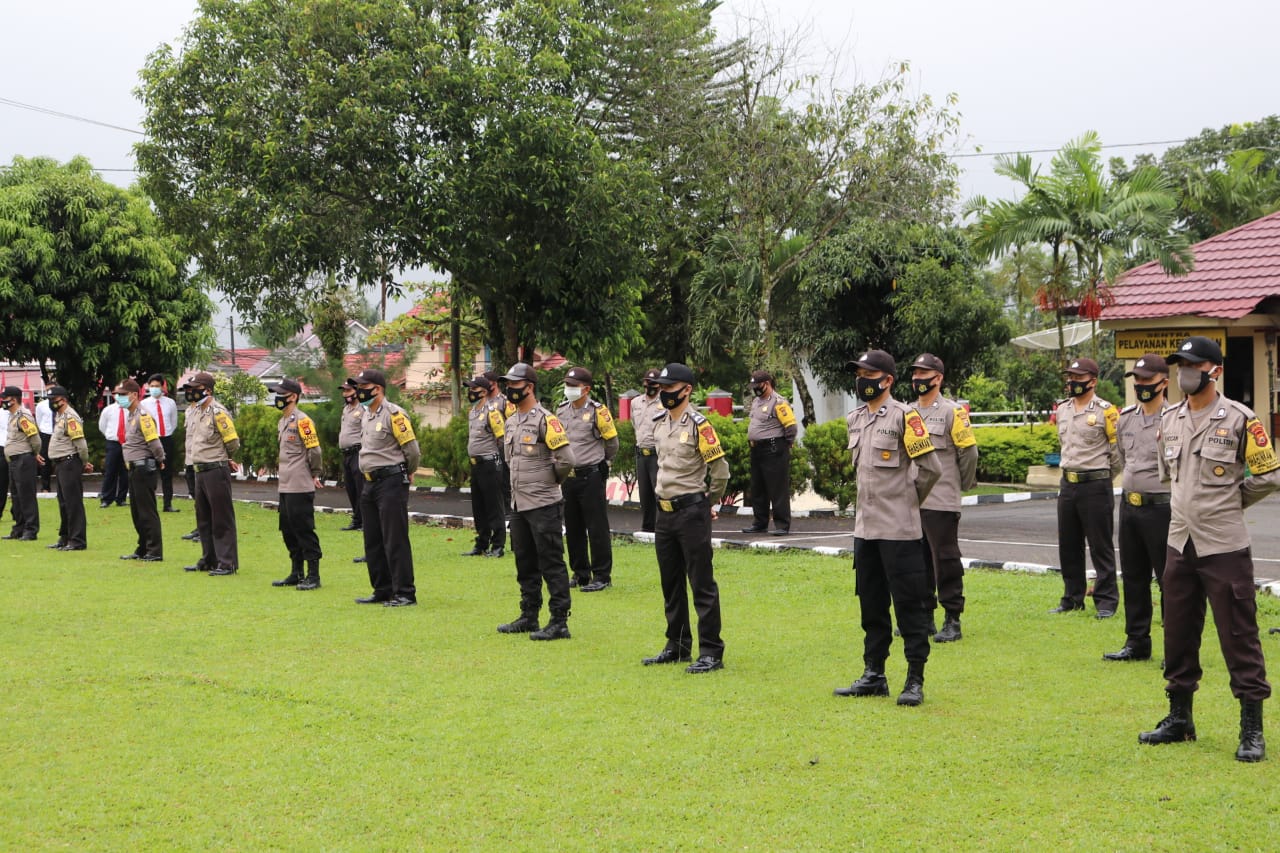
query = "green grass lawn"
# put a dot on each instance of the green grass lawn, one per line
(145, 708)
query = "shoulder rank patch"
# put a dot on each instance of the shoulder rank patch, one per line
(402, 429)
(307, 432)
(1127, 409)
(226, 427)
(147, 425)
(555, 433)
(962, 430)
(915, 436)
(27, 427)
(1259, 454)
(1112, 417)
(604, 423)
(785, 415)
(75, 429)
(709, 445)
(497, 425)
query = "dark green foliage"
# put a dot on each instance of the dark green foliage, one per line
(444, 450)
(1005, 452)
(832, 463)
(257, 426)
(624, 464)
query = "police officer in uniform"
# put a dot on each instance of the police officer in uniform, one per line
(1207, 443)
(389, 457)
(300, 468)
(352, 425)
(957, 453)
(1144, 505)
(143, 457)
(540, 457)
(644, 410)
(594, 439)
(497, 397)
(68, 457)
(1090, 459)
(22, 447)
(688, 451)
(212, 441)
(771, 432)
(486, 426)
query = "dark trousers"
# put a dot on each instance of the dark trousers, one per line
(506, 489)
(354, 482)
(771, 484)
(215, 519)
(69, 475)
(890, 571)
(647, 480)
(1144, 536)
(384, 505)
(1226, 581)
(486, 505)
(298, 526)
(682, 542)
(22, 491)
(4, 484)
(166, 476)
(586, 523)
(1085, 515)
(115, 479)
(538, 544)
(46, 470)
(942, 557)
(189, 474)
(142, 508)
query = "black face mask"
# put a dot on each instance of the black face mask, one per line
(195, 395)
(869, 389)
(282, 401)
(364, 395)
(57, 405)
(1077, 389)
(474, 396)
(515, 395)
(651, 390)
(922, 386)
(757, 390)
(671, 399)
(1146, 393)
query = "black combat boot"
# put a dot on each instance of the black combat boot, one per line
(295, 574)
(523, 625)
(557, 628)
(1176, 727)
(872, 683)
(950, 629)
(913, 690)
(1252, 746)
(312, 581)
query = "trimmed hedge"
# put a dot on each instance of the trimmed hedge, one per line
(832, 463)
(1005, 452)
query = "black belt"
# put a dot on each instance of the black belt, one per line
(201, 467)
(646, 451)
(770, 443)
(147, 464)
(16, 455)
(347, 451)
(585, 470)
(1086, 476)
(1147, 499)
(384, 472)
(492, 457)
(673, 504)
(61, 459)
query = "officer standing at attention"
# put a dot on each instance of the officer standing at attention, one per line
(644, 410)
(69, 458)
(352, 425)
(957, 453)
(211, 443)
(771, 432)
(885, 437)
(1090, 459)
(1144, 506)
(688, 451)
(389, 457)
(540, 457)
(486, 426)
(21, 449)
(508, 409)
(144, 457)
(300, 467)
(1207, 443)
(164, 411)
(594, 439)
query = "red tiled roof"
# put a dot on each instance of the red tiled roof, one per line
(246, 358)
(389, 361)
(1234, 271)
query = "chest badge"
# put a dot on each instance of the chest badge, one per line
(684, 437)
(586, 416)
(886, 455)
(1092, 420)
(1218, 470)
(1222, 432)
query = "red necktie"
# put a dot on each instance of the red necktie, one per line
(160, 416)
(120, 431)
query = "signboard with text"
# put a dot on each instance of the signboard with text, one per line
(1136, 343)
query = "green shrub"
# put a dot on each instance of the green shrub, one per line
(444, 450)
(831, 463)
(1005, 452)
(624, 464)
(259, 442)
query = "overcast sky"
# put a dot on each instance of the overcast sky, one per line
(1028, 75)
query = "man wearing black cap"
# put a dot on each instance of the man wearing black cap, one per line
(349, 430)
(486, 427)
(300, 467)
(771, 431)
(957, 452)
(885, 438)
(497, 398)
(144, 457)
(1207, 444)
(540, 457)
(644, 410)
(594, 439)
(21, 449)
(212, 443)
(389, 457)
(1090, 459)
(1144, 505)
(69, 458)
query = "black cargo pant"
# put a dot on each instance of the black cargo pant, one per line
(586, 526)
(486, 504)
(771, 483)
(1085, 515)
(353, 480)
(216, 519)
(682, 542)
(69, 476)
(45, 470)
(166, 476)
(1144, 537)
(647, 481)
(942, 557)
(889, 571)
(22, 491)
(142, 509)
(115, 478)
(538, 543)
(384, 508)
(298, 526)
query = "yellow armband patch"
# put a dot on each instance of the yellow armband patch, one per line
(1113, 418)
(402, 429)
(307, 432)
(1259, 454)
(962, 430)
(915, 436)
(786, 416)
(75, 429)
(709, 443)
(226, 428)
(27, 427)
(605, 425)
(497, 425)
(147, 425)
(555, 433)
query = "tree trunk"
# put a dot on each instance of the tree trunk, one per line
(455, 349)
(802, 391)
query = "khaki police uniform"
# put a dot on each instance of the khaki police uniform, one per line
(956, 450)
(594, 439)
(389, 457)
(20, 449)
(300, 465)
(540, 457)
(143, 456)
(486, 428)
(1144, 522)
(1204, 457)
(644, 409)
(888, 548)
(211, 443)
(771, 430)
(1090, 459)
(689, 453)
(349, 430)
(68, 453)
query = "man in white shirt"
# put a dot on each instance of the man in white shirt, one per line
(115, 482)
(164, 411)
(44, 423)
(4, 463)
